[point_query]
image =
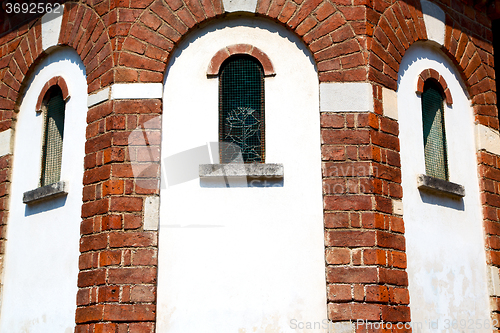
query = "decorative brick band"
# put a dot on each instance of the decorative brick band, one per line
(433, 74)
(55, 81)
(223, 54)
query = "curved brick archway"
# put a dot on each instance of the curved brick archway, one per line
(82, 29)
(350, 41)
(55, 81)
(433, 74)
(398, 26)
(225, 53)
(327, 29)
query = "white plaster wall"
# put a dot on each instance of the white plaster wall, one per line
(434, 18)
(51, 27)
(41, 264)
(243, 259)
(444, 237)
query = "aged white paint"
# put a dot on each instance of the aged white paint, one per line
(136, 90)
(397, 207)
(390, 103)
(434, 18)
(242, 259)
(444, 237)
(494, 281)
(98, 97)
(346, 97)
(240, 6)
(6, 142)
(41, 260)
(487, 139)
(126, 91)
(51, 28)
(151, 213)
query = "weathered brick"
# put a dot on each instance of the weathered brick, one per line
(339, 292)
(125, 204)
(349, 238)
(377, 294)
(129, 313)
(353, 311)
(143, 293)
(89, 314)
(352, 274)
(91, 278)
(337, 256)
(132, 239)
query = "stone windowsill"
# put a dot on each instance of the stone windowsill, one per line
(46, 192)
(252, 170)
(440, 186)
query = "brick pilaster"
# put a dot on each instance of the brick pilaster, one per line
(118, 261)
(365, 244)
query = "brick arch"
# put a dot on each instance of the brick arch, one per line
(331, 32)
(55, 81)
(84, 30)
(397, 28)
(223, 54)
(25, 52)
(401, 24)
(474, 60)
(433, 74)
(81, 28)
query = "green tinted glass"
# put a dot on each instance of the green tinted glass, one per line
(241, 109)
(53, 138)
(436, 164)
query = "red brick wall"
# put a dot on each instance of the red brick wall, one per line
(118, 262)
(351, 40)
(489, 180)
(468, 41)
(5, 166)
(365, 244)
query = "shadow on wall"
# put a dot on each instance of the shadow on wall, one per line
(431, 199)
(44, 206)
(421, 49)
(238, 21)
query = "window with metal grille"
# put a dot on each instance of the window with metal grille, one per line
(53, 136)
(241, 109)
(436, 164)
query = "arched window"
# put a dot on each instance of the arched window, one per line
(241, 109)
(54, 107)
(436, 164)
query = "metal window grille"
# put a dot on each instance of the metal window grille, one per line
(241, 109)
(53, 137)
(436, 164)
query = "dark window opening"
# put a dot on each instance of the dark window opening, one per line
(241, 109)
(436, 164)
(53, 137)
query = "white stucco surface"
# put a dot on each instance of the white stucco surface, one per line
(390, 102)
(346, 97)
(98, 97)
(151, 213)
(6, 142)
(487, 139)
(444, 237)
(240, 5)
(242, 259)
(434, 19)
(51, 27)
(42, 248)
(136, 90)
